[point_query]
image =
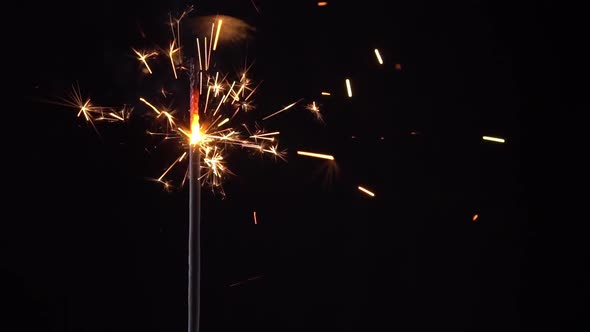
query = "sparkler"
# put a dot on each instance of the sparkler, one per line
(215, 126)
(194, 241)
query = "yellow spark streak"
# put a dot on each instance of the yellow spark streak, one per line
(265, 134)
(217, 34)
(326, 94)
(223, 122)
(207, 99)
(211, 41)
(169, 117)
(85, 109)
(237, 94)
(143, 56)
(171, 55)
(493, 139)
(274, 150)
(272, 139)
(366, 191)
(150, 105)
(378, 56)
(185, 133)
(199, 53)
(231, 89)
(316, 155)
(216, 86)
(116, 116)
(200, 83)
(252, 92)
(282, 110)
(205, 53)
(348, 88)
(170, 167)
(172, 26)
(223, 98)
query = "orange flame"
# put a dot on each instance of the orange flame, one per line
(195, 136)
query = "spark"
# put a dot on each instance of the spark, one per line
(246, 280)
(199, 55)
(378, 56)
(88, 110)
(171, 56)
(316, 155)
(253, 4)
(322, 3)
(217, 34)
(150, 105)
(282, 110)
(255, 220)
(226, 120)
(211, 126)
(210, 43)
(166, 114)
(475, 217)
(143, 56)
(265, 136)
(315, 110)
(122, 115)
(179, 159)
(366, 191)
(348, 88)
(325, 93)
(493, 139)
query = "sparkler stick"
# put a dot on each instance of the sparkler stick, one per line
(209, 139)
(194, 233)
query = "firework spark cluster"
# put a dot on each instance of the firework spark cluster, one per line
(222, 101)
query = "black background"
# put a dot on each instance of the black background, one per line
(94, 246)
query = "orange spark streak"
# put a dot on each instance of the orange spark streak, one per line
(255, 220)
